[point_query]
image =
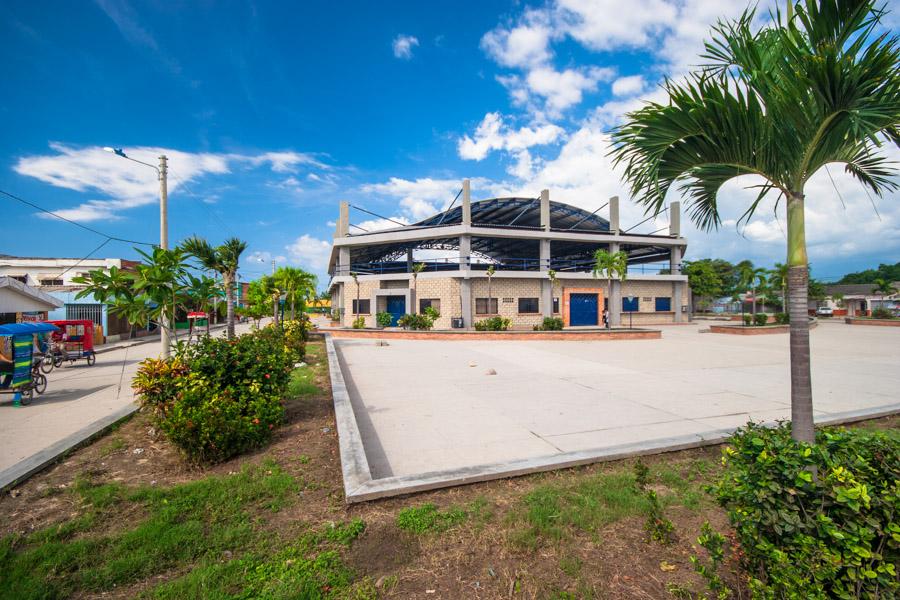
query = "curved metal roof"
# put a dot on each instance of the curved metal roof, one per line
(509, 213)
(521, 213)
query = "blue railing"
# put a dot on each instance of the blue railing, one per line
(501, 264)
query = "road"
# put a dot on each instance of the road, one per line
(77, 398)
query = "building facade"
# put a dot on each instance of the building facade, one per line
(53, 276)
(542, 258)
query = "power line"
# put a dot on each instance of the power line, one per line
(87, 256)
(85, 227)
(377, 215)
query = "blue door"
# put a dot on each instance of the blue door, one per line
(583, 309)
(396, 305)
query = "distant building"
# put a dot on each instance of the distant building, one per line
(859, 299)
(53, 276)
(20, 303)
(523, 239)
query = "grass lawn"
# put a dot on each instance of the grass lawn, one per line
(126, 517)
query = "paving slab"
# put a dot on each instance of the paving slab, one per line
(429, 413)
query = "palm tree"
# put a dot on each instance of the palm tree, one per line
(883, 288)
(416, 269)
(222, 259)
(490, 275)
(779, 103)
(749, 277)
(201, 293)
(609, 266)
(778, 280)
(297, 285)
(355, 277)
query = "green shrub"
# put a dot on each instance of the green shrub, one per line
(550, 324)
(359, 323)
(782, 318)
(493, 324)
(882, 313)
(816, 521)
(335, 314)
(760, 319)
(658, 527)
(384, 319)
(416, 322)
(219, 397)
(295, 334)
(432, 313)
(748, 319)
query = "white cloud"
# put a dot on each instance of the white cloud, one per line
(627, 86)
(525, 45)
(493, 134)
(403, 46)
(310, 252)
(282, 162)
(263, 259)
(607, 24)
(562, 89)
(127, 185)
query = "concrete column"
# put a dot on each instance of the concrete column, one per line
(545, 255)
(675, 269)
(675, 219)
(342, 229)
(615, 286)
(677, 288)
(614, 214)
(409, 260)
(545, 210)
(546, 298)
(467, 203)
(465, 297)
(343, 261)
(465, 251)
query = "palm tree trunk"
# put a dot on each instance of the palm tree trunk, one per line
(229, 305)
(292, 308)
(802, 425)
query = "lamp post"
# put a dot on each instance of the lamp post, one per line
(161, 172)
(630, 309)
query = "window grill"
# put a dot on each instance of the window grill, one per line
(86, 312)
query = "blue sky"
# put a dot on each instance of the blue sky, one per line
(271, 113)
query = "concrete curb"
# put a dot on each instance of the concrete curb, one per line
(354, 464)
(359, 486)
(41, 460)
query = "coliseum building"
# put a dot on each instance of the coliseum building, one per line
(524, 239)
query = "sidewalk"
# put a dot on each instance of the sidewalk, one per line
(81, 402)
(146, 339)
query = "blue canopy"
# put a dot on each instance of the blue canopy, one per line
(26, 328)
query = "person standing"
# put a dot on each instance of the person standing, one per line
(606, 318)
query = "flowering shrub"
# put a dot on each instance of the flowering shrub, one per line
(550, 324)
(295, 334)
(816, 521)
(218, 397)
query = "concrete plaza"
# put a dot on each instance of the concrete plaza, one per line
(429, 407)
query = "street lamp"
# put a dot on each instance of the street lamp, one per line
(161, 173)
(630, 309)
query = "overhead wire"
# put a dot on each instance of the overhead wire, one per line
(75, 223)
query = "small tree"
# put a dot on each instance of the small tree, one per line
(416, 269)
(222, 259)
(355, 277)
(703, 279)
(883, 288)
(609, 266)
(490, 275)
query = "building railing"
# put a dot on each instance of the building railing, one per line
(561, 266)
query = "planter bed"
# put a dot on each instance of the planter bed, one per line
(872, 322)
(749, 330)
(571, 334)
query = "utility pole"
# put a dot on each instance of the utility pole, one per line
(275, 297)
(164, 244)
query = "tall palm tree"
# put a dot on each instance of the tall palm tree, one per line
(779, 103)
(222, 259)
(778, 280)
(414, 271)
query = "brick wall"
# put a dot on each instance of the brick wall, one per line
(445, 289)
(366, 287)
(502, 288)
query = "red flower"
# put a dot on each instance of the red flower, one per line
(267, 375)
(256, 421)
